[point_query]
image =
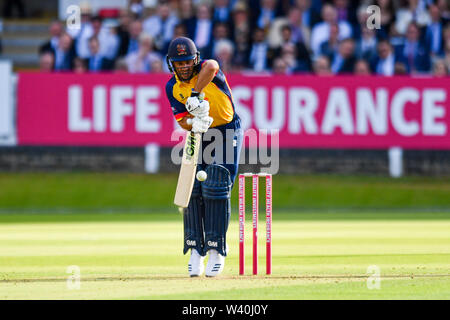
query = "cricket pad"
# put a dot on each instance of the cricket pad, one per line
(216, 191)
(193, 221)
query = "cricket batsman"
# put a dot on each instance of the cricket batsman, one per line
(207, 216)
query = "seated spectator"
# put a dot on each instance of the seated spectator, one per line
(301, 54)
(411, 11)
(46, 61)
(55, 30)
(96, 61)
(366, 46)
(440, 69)
(132, 43)
(81, 36)
(434, 32)
(141, 61)
(121, 66)
(384, 62)
(223, 53)
(136, 7)
(109, 41)
(157, 66)
(258, 51)
(413, 51)
(220, 32)
(125, 18)
(331, 46)
(321, 66)
(240, 35)
(321, 31)
(222, 12)
(200, 28)
(161, 26)
(400, 69)
(280, 67)
(299, 33)
(362, 68)
(344, 60)
(266, 14)
(310, 17)
(64, 54)
(79, 66)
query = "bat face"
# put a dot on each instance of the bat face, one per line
(188, 170)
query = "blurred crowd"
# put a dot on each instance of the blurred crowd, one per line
(263, 36)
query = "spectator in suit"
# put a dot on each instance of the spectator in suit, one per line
(267, 14)
(258, 51)
(413, 52)
(186, 10)
(46, 61)
(241, 34)
(223, 53)
(109, 41)
(161, 25)
(280, 67)
(96, 61)
(366, 46)
(321, 31)
(297, 55)
(362, 68)
(440, 69)
(133, 42)
(299, 33)
(321, 66)
(331, 46)
(345, 12)
(411, 11)
(141, 60)
(434, 32)
(222, 11)
(344, 60)
(384, 62)
(64, 54)
(200, 28)
(82, 35)
(125, 18)
(310, 17)
(220, 32)
(79, 66)
(55, 30)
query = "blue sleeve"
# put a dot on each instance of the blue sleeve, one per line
(178, 109)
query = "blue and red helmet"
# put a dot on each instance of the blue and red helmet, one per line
(182, 49)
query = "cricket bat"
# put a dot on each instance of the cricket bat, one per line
(188, 168)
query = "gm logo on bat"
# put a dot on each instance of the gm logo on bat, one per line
(191, 146)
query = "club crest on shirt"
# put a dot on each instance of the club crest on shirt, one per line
(181, 49)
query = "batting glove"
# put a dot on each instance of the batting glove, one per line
(201, 125)
(196, 107)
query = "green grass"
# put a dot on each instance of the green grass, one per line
(113, 191)
(142, 259)
(126, 237)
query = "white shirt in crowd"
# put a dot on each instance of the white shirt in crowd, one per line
(321, 33)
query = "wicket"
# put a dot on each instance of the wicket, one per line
(255, 202)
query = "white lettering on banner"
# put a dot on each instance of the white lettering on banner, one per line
(303, 103)
(121, 102)
(337, 113)
(145, 108)
(119, 107)
(261, 108)
(243, 93)
(370, 111)
(100, 109)
(403, 127)
(76, 121)
(431, 111)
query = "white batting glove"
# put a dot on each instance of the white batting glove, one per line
(196, 107)
(200, 125)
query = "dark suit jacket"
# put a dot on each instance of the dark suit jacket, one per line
(105, 64)
(421, 61)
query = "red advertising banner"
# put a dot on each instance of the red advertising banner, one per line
(307, 111)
